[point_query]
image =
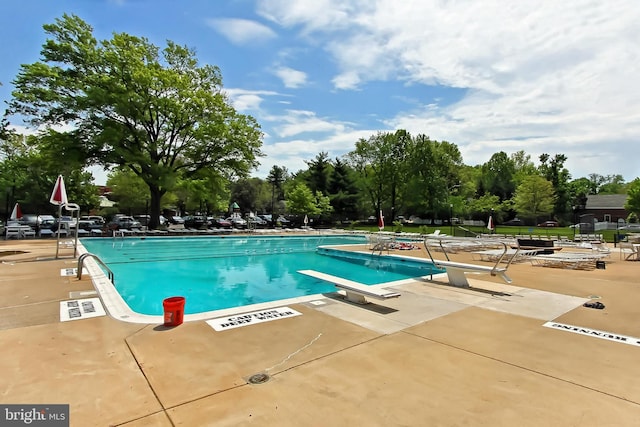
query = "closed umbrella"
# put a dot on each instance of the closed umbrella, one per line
(306, 220)
(380, 221)
(16, 213)
(490, 225)
(59, 198)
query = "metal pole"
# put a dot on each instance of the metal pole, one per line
(451, 217)
(59, 223)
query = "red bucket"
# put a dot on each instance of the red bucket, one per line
(173, 311)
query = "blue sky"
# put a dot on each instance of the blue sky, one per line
(541, 76)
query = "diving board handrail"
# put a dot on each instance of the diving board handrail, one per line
(81, 259)
(496, 270)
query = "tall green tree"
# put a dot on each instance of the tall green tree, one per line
(129, 191)
(29, 168)
(278, 175)
(498, 176)
(523, 166)
(130, 104)
(534, 197)
(434, 169)
(343, 191)
(319, 172)
(552, 168)
(382, 163)
(613, 184)
(302, 201)
(633, 197)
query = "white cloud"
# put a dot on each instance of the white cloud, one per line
(241, 31)
(548, 76)
(297, 122)
(291, 78)
(244, 100)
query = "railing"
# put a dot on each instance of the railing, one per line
(81, 259)
(441, 239)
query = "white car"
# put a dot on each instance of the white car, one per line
(635, 227)
(237, 222)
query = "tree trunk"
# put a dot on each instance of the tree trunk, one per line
(156, 196)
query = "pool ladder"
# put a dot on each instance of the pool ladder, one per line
(81, 259)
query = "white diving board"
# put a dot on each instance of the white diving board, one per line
(356, 292)
(456, 271)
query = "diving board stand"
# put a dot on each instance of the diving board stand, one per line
(456, 271)
(355, 292)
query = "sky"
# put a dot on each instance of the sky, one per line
(544, 76)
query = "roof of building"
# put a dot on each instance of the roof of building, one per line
(606, 201)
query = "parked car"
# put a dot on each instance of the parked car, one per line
(221, 223)
(124, 222)
(268, 219)
(635, 227)
(88, 225)
(196, 221)
(514, 221)
(256, 221)
(282, 220)
(548, 224)
(237, 222)
(175, 219)
(95, 218)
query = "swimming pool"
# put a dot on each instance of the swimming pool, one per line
(214, 272)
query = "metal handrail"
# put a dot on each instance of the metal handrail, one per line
(81, 259)
(441, 239)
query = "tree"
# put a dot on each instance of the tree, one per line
(277, 176)
(129, 191)
(433, 172)
(554, 171)
(498, 176)
(613, 184)
(633, 197)
(319, 172)
(300, 200)
(28, 171)
(343, 191)
(523, 166)
(132, 105)
(534, 197)
(382, 163)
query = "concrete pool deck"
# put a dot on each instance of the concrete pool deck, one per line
(438, 355)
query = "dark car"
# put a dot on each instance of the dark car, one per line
(124, 222)
(175, 219)
(196, 221)
(548, 224)
(89, 225)
(222, 223)
(514, 221)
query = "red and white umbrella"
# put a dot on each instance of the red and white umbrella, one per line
(59, 197)
(380, 221)
(490, 225)
(59, 194)
(16, 213)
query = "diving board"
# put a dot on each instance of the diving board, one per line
(356, 292)
(456, 270)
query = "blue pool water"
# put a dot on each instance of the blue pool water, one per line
(215, 272)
